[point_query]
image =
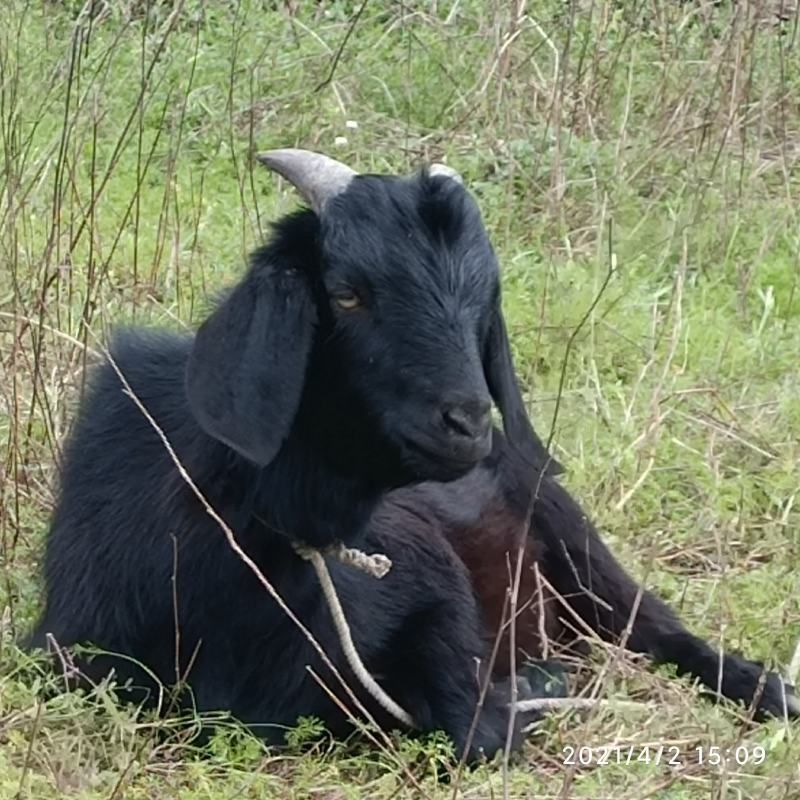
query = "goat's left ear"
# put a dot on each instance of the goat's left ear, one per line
(247, 368)
(501, 379)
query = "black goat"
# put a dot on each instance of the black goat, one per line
(358, 356)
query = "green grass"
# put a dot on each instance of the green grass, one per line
(660, 139)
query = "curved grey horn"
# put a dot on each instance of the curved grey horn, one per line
(318, 178)
(448, 172)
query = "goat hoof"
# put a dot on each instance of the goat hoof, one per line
(547, 678)
(778, 699)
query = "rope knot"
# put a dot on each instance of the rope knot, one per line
(375, 564)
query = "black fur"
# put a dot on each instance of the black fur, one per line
(303, 420)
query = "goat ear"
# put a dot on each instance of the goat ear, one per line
(247, 367)
(502, 382)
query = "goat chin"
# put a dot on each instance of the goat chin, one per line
(426, 466)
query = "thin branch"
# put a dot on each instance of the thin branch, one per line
(612, 268)
(793, 670)
(335, 62)
(578, 704)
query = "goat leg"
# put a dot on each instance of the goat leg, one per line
(595, 586)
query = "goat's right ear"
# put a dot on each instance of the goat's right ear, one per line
(501, 379)
(247, 368)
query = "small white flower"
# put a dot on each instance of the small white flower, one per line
(340, 140)
(351, 123)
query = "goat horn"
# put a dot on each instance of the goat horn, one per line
(318, 178)
(447, 172)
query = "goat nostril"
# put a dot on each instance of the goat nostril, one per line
(468, 422)
(456, 420)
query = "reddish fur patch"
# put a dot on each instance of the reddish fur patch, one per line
(489, 550)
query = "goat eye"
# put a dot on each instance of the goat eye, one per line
(347, 300)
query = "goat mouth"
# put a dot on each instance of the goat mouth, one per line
(432, 462)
